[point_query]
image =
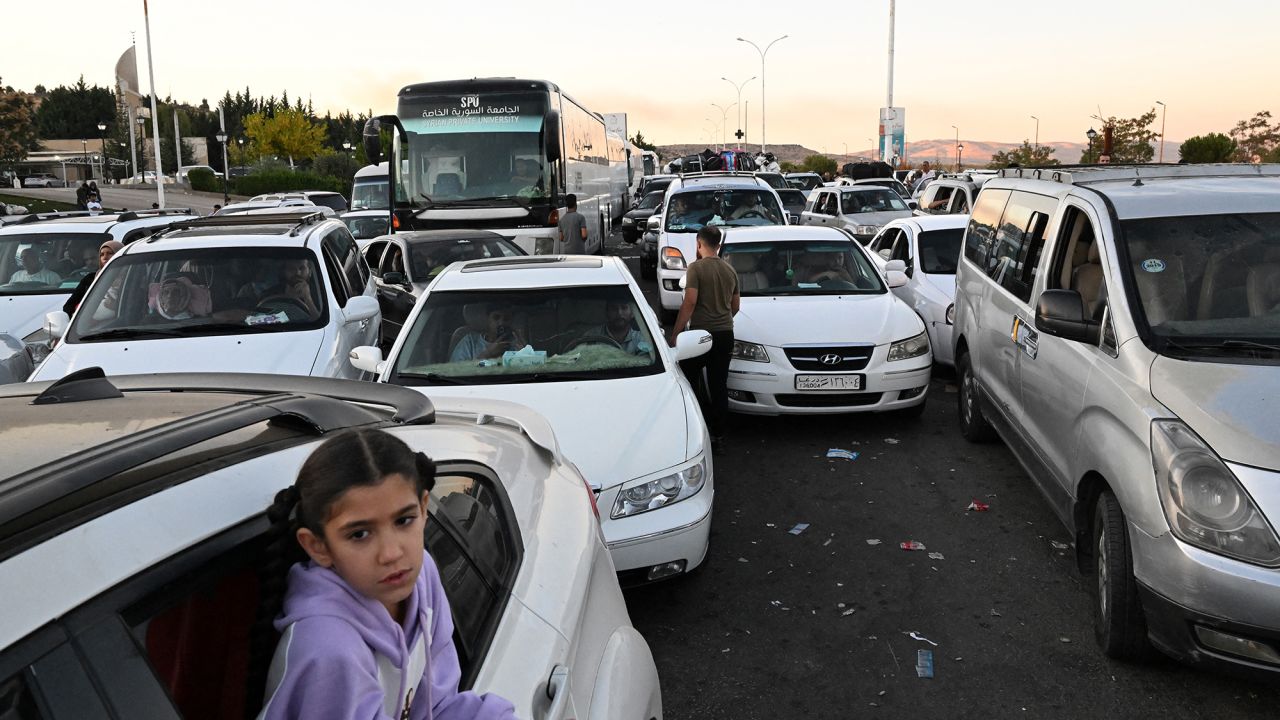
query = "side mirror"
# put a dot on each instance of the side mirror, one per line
(359, 309)
(55, 324)
(552, 131)
(1060, 313)
(892, 265)
(373, 140)
(367, 358)
(896, 278)
(395, 278)
(691, 344)
(913, 205)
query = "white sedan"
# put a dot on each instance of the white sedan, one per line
(926, 248)
(134, 547)
(818, 331)
(573, 338)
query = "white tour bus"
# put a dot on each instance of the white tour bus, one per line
(496, 154)
(369, 188)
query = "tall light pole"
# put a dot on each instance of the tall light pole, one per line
(738, 87)
(1163, 110)
(724, 120)
(763, 107)
(1033, 117)
(1091, 134)
(155, 116)
(102, 130)
(959, 154)
(222, 140)
(142, 143)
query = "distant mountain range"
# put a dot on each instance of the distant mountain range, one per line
(976, 152)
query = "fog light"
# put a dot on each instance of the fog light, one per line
(672, 285)
(913, 392)
(1233, 645)
(742, 396)
(665, 570)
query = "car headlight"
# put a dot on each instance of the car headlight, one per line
(1205, 504)
(866, 229)
(749, 351)
(951, 314)
(38, 345)
(661, 492)
(628, 221)
(672, 259)
(909, 348)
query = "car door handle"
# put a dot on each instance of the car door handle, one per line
(558, 692)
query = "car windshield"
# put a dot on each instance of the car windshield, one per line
(370, 193)
(805, 182)
(869, 200)
(562, 333)
(216, 291)
(651, 201)
(46, 263)
(792, 198)
(427, 259)
(1209, 281)
(801, 268)
(363, 228)
(940, 251)
(774, 180)
(692, 210)
(890, 183)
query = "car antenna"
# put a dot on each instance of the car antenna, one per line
(90, 383)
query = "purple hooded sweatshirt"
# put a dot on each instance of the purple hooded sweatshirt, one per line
(342, 655)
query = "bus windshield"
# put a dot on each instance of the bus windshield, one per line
(467, 148)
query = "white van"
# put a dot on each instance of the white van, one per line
(369, 189)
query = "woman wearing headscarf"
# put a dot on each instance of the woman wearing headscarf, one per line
(105, 251)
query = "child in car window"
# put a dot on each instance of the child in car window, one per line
(365, 628)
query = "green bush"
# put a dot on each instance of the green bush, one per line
(271, 181)
(204, 181)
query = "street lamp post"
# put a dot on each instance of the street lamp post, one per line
(740, 133)
(346, 145)
(1033, 117)
(959, 154)
(724, 121)
(1163, 110)
(1091, 134)
(84, 155)
(763, 136)
(142, 137)
(222, 140)
(102, 130)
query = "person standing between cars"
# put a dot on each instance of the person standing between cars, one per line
(105, 251)
(711, 299)
(366, 630)
(572, 229)
(82, 195)
(926, 178)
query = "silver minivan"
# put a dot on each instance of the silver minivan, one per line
(1119, 328)
(861, 210)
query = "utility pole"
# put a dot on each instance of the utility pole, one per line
(884, 139)
(1164, 109)
(1033, 117)
(155, 116)
(764, 136)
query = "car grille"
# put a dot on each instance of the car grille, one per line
(817, 400)
(851, 357)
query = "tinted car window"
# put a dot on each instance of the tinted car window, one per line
(940, 251)
(981, 235)
(45, 263)
(853, 202)
(330, 200)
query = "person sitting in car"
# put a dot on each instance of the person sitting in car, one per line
(499, 337)
(620, 328)
(33, 270)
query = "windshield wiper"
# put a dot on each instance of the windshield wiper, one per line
(436, 378)
(558, 376)
(1221, 345)
(130, 333)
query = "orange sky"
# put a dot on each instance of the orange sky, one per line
(985, 66)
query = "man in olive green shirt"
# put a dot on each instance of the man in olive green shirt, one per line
(711, 300)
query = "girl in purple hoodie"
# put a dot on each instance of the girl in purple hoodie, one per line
(365, 628)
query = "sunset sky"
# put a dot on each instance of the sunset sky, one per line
(985, 66)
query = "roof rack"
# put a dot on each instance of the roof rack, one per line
(58, 215)
(294, 220)
(1080, 174)
(152, 212)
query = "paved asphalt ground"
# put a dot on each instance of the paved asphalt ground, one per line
(775, 625)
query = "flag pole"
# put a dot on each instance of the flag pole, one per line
(155, 115)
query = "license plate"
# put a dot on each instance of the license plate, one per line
(828, 383)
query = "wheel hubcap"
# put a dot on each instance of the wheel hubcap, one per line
(966, 402)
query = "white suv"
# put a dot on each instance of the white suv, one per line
(726, 200)
(63, 248)
(134, 546)
(265, 293)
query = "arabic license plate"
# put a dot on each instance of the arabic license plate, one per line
(828, 383)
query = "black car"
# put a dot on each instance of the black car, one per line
(634, 221)
(793, 202)
(404, 264)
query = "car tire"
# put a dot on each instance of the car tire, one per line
(1119, 624)
(973, 424)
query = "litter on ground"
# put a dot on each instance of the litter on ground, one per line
(873, 541)
(799, 528)
(976, 506)
(911, 545)
(924, 663)
(936, 556)
(840, 453)
(917, 636)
